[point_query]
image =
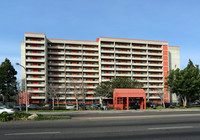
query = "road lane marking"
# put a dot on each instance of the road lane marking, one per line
(163, 128)
(32, 133)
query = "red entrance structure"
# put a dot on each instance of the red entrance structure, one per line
(129, 98)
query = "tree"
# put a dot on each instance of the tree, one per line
(161, 94)
(105, 89)
(52, 93)
(185, 83)
(8, 80)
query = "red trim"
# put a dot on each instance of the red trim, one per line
(135, 39)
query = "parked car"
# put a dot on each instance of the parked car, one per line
(70, 106)
(94, 106)
(17, 106)
(5, 106)
(7, 110)
(33, 106)
(104, 106)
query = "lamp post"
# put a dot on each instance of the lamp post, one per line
(26, 98)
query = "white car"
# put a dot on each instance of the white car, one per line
(70, 106)
(7, 110)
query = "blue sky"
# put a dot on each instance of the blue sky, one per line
(175, 21)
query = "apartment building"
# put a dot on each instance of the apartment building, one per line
(57, 62)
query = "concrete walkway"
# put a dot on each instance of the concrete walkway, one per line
(114, 111)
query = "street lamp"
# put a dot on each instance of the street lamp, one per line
(26, 98)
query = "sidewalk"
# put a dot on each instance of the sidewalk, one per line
(113, 111)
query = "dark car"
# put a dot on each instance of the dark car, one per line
(33, 106)
(94, 106)
(17, 106)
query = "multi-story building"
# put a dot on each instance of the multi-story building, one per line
(57, 62)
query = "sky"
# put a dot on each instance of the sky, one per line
(175, 21)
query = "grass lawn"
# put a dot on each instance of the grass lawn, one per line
(42, 117)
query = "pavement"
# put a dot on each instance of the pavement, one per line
(115, 111)
(183, 125)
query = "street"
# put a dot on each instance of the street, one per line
(159, 126)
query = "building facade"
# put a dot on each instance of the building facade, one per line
(54, 63)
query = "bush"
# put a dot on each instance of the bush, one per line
(15, 116)
(4, 117)
(159, 107)
(110, 108)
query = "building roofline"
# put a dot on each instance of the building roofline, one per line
(134, 39)
(174, 46)
(34, 33)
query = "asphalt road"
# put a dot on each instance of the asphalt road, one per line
(183, 126)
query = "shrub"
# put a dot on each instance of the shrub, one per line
(159, 107)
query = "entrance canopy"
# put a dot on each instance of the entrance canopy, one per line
(121, 98)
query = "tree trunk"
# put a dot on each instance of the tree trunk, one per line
(53, 103)
(76, 102)
(184, 100)
(65, 100)
(101, 101)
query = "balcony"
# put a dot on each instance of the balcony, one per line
(140, 47)
(91, 49)
(134, 69)
(123, 69)
(90, 54)
(139, 75)
(55, 47)
(35, 85)
(152, 75)
(35, 48)
(107, 51)
(107, 45)
(139, 58)
(73, 48)
(74, 59)
(35, 54)
(90, 59)
(118, 75)
(155, 70)
(140, 53)
(155, 81)
(155, 59)
(155, 64)
(35, 73)
(35, 60)
(155, 54)
(36, 91)
(35, 42)
(37, 97)
(56, 64)
(123, 58)
(73, 64)
(56, 53)
(139, 64)
(73, 53)
(56, 58)
(109, 63)
(122, 52)
(73, 70)
(93, 70)
(36, 79)
(118, 63)
(154, 48)
(91, 76)
(35, 66)
(107, 74)
(119, 46)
